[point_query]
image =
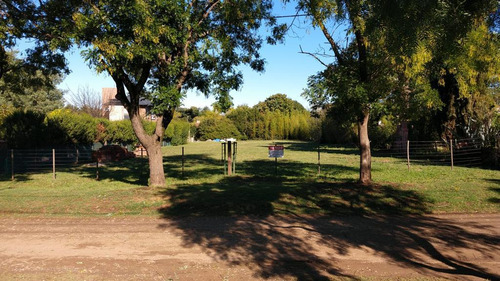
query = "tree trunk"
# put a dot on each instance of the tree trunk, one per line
(365, 165)
(156, 172)
(152, 144)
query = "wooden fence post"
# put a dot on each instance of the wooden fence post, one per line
(97, 169)
(12, 163)
(451, 153)
(182, 162)
(229, 158)
(53, 163)
(408, 154)
(319, 159)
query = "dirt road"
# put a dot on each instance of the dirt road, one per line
(457, 247)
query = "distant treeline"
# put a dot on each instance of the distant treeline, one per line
(278, 117)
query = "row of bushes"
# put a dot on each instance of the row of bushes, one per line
(28, 129)
(249, 123)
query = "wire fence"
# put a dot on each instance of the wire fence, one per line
(463, 152)
(34, 160)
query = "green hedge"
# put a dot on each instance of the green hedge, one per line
(216, 127)
(28, 129)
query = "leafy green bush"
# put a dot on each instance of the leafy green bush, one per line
(382, 132)
(217, 127)
(25, 129)
(120, 132)
(74, 128)
(177, 132)
(256, 123)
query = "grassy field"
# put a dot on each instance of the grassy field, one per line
(255, 189)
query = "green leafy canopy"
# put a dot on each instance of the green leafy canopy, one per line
(172, 46)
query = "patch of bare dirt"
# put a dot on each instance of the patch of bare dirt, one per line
(456, 247)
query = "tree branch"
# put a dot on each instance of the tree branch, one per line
(120, 92)
(208, 9)
(144, 76)
(312, 55)
(333, 44)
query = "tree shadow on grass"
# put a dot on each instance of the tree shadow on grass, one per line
(201, 166)
(288, 168)
(313, 147)
(133, 171)
(196, 166)
(496, 189)
(275, 227)
(136, 170)
(17, 177)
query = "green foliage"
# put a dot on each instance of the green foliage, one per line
(281, 103)
(30, 129)
(74, 128)
(335, 130)
(189, 113)
(178, 132)
(25, 129)
(196, 47)
(216, 127)
(120, 132)
(430, 63)
(21, 19)
(276, 118)
(29, 89)
(382, 132)
(466, 81)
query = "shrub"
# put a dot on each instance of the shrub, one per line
(216, 127)
(74, 128)
(177, 132)
(120, 132)
(25, 129)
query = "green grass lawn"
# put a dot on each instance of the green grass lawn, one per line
(255, 189)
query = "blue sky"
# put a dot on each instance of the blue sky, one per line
(286, 69)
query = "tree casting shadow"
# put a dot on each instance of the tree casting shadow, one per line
(496, 188)
(262, 222)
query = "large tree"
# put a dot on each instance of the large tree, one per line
(22, 88)
(381, 36)
(25, 20)
(157, 49)
(28, 80)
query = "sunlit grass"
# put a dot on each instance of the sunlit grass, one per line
(202, 189)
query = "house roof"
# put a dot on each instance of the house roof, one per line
(144, 102)
(108, 98)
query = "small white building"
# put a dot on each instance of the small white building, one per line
(115, 111)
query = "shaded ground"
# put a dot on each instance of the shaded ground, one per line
(289, 247)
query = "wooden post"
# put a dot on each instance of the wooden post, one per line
(53, 163)
(97, 169)
(451, 153)
(222, 152)
(319, 159)
(77, 155)
(229, 158)
(183, 161)
(276, 166)
(235, 148)
(223, 155)
(408, 154)
(12, 163)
